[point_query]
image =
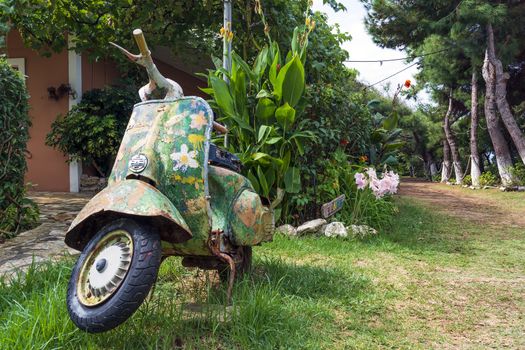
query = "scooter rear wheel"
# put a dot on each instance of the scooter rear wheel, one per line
(113, 275)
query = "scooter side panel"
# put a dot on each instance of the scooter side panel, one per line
(237, 209)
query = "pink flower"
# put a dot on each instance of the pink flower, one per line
(375, 186)
(360, 181)
(392, 179)
(371, 172)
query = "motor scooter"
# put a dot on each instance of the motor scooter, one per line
(171, 192)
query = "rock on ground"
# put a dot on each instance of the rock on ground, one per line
(287, 230)
(362, 231)
(335, 229)
(313, 226)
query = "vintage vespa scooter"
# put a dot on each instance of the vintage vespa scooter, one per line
(170, 192)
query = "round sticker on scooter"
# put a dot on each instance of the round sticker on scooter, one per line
(138, 163)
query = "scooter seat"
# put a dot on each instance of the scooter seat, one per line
(223, 158)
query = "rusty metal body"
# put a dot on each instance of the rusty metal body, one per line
(161, 176)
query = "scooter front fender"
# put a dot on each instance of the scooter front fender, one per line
(132, 198)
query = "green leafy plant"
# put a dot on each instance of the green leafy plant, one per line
(17, 212)
(467, 180)
(261, 104)
(518, 174)
(93, 129)
(336, 178)
(385, 139)
(488, 179)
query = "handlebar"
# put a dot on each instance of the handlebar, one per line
(146, 55)
(141, 43)
(220, 128)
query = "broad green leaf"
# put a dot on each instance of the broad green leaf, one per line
(286, 161)
(265, 109)
(295, 40)
(263, 93)
(270, 178)
(238, 86)
(390, 123)
(289, 84)
(261, 62)
(292, 180)
(259, 156)
(274, 140)
(264, 131)
(394, 145)
(254, 181)
(274, 69)
(245, 67)
(222, 96)
(299, 145)
(285, 116)
(262, 180)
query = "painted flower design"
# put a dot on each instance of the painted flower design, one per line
(198, 121)
(184, 159)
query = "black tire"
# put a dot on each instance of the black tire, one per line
(133, 289)
(242, 267)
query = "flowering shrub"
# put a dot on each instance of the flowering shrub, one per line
(337, 175)
(380, 187)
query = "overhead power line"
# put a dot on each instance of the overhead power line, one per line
(397, 59)
(390, 76)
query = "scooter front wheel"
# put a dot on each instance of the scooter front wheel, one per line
(113, 275)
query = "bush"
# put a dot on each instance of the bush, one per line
(361, 206)
(488, 179)
(467, 180)
(92, 130)
(518, 174)
(17, 213)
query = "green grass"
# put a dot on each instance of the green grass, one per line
(430, 281)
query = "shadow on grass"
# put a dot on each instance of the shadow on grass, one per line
(280, 305)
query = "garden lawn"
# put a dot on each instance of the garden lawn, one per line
(431, 281)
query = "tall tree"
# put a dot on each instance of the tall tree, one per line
(501, 78)
(451, 140)
(468, 23)
(445, 168)
(501, 148)
(475, 171)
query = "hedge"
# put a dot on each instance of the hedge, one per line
(17, 213)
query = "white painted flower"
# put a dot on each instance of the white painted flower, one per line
(198, 121)
(184, 159)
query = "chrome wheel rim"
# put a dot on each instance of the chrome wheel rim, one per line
(105, 268)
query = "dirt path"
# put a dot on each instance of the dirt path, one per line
(463, 203)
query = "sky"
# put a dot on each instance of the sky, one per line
(361, 47)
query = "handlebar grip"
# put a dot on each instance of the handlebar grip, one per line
(141, 42)
(220, 128)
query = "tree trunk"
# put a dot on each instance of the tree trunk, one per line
(452, 143)
(501, 148)
(430, 164)
(501, 97)
(475, 172)
(433, 169)
(445, 169)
